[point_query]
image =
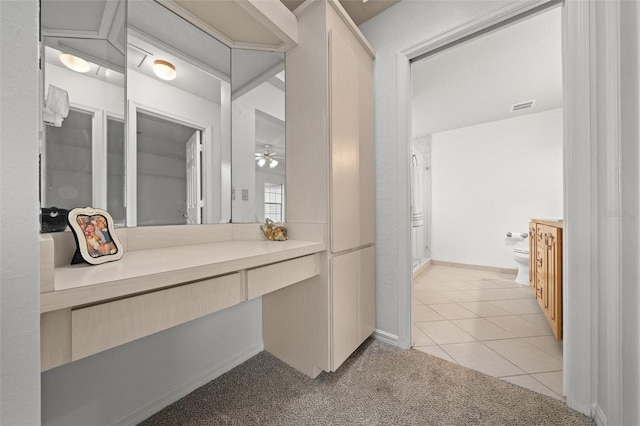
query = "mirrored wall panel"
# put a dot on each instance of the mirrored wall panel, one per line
(258, 136)
(139, 109)
(83, 51)
(178, 127)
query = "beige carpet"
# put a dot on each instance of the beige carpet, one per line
(378, 385)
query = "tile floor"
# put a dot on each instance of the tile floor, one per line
(485, 321)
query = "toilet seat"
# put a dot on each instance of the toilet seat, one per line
(521, 251)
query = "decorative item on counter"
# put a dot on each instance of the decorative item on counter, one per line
(274, 231)
(53, 219)
(96, 239)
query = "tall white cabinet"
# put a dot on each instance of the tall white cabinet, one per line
(330, 183)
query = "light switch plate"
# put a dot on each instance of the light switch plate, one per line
(245, 194)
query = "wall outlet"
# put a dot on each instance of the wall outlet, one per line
(245, 194)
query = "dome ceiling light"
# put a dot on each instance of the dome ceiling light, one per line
(164, 70)
(74, 63)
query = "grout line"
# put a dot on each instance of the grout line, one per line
(441, 280)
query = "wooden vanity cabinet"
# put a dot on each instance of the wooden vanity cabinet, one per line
(545, 270)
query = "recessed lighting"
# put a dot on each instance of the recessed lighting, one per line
(74, 63)
(165, 70)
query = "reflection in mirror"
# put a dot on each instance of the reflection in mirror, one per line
(178, 126)
(258, 129)
(83, 105)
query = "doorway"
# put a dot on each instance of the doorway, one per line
(169, 177)
(486, 113)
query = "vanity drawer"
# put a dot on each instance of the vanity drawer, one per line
(100, 327)
(278, 275)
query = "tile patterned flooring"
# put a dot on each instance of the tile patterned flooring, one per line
(485, 321)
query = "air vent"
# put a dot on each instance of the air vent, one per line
(137, 55)
(523, 105)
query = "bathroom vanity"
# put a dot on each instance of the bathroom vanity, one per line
(545, 269)
(318, 288)
(167, 276)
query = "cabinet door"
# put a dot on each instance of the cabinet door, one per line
(553, 271)
(354, 302)
(351, 145)
(532, 255)
(344, 327)
(366, 293)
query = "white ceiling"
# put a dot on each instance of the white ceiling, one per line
(478, 81)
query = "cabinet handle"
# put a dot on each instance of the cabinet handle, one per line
(547, 238)
(532, 232)
(539, 292)
(539, 262)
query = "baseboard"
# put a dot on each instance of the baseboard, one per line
(385, 337)
(599, 417)
(152, 407)
(420, 269)
(478, 267)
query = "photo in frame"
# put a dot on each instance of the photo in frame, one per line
(96, 239)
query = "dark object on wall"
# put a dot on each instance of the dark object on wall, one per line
(96, 239)
(53, 219)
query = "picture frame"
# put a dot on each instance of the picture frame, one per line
(95, 235)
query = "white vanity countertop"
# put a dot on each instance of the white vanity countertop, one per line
(150, 269)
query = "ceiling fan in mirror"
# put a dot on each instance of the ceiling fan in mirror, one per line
(266, 157)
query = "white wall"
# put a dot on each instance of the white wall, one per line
(19, 277)
(391, 32)
(128, 383)
(86, 91)
(493, 178)
(630, 191)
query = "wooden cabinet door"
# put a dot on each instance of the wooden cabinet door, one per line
(366, 293)
(532, 255)
(344, 297)
(354, 302)
(352, 208)
(553, 271)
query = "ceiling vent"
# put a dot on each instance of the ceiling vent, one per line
(523, 105)
(137, 55)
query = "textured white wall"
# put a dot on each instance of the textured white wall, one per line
(630, 191)
(493, 178)
(391, 32)
(128, 383)
(19, 278)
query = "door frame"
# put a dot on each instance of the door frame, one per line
(580, 273)
(131, 157)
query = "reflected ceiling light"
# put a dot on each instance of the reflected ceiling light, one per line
(165, 70)
(266, 157)
(74, 63)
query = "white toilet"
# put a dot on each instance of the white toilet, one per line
(521, 255)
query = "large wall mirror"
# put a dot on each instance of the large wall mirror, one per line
(178, 128)
(148, 133)
(258, 123)
(82, 158)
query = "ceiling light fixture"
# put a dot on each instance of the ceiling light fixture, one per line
(266, 157)
(164, 70)
(74, 63)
